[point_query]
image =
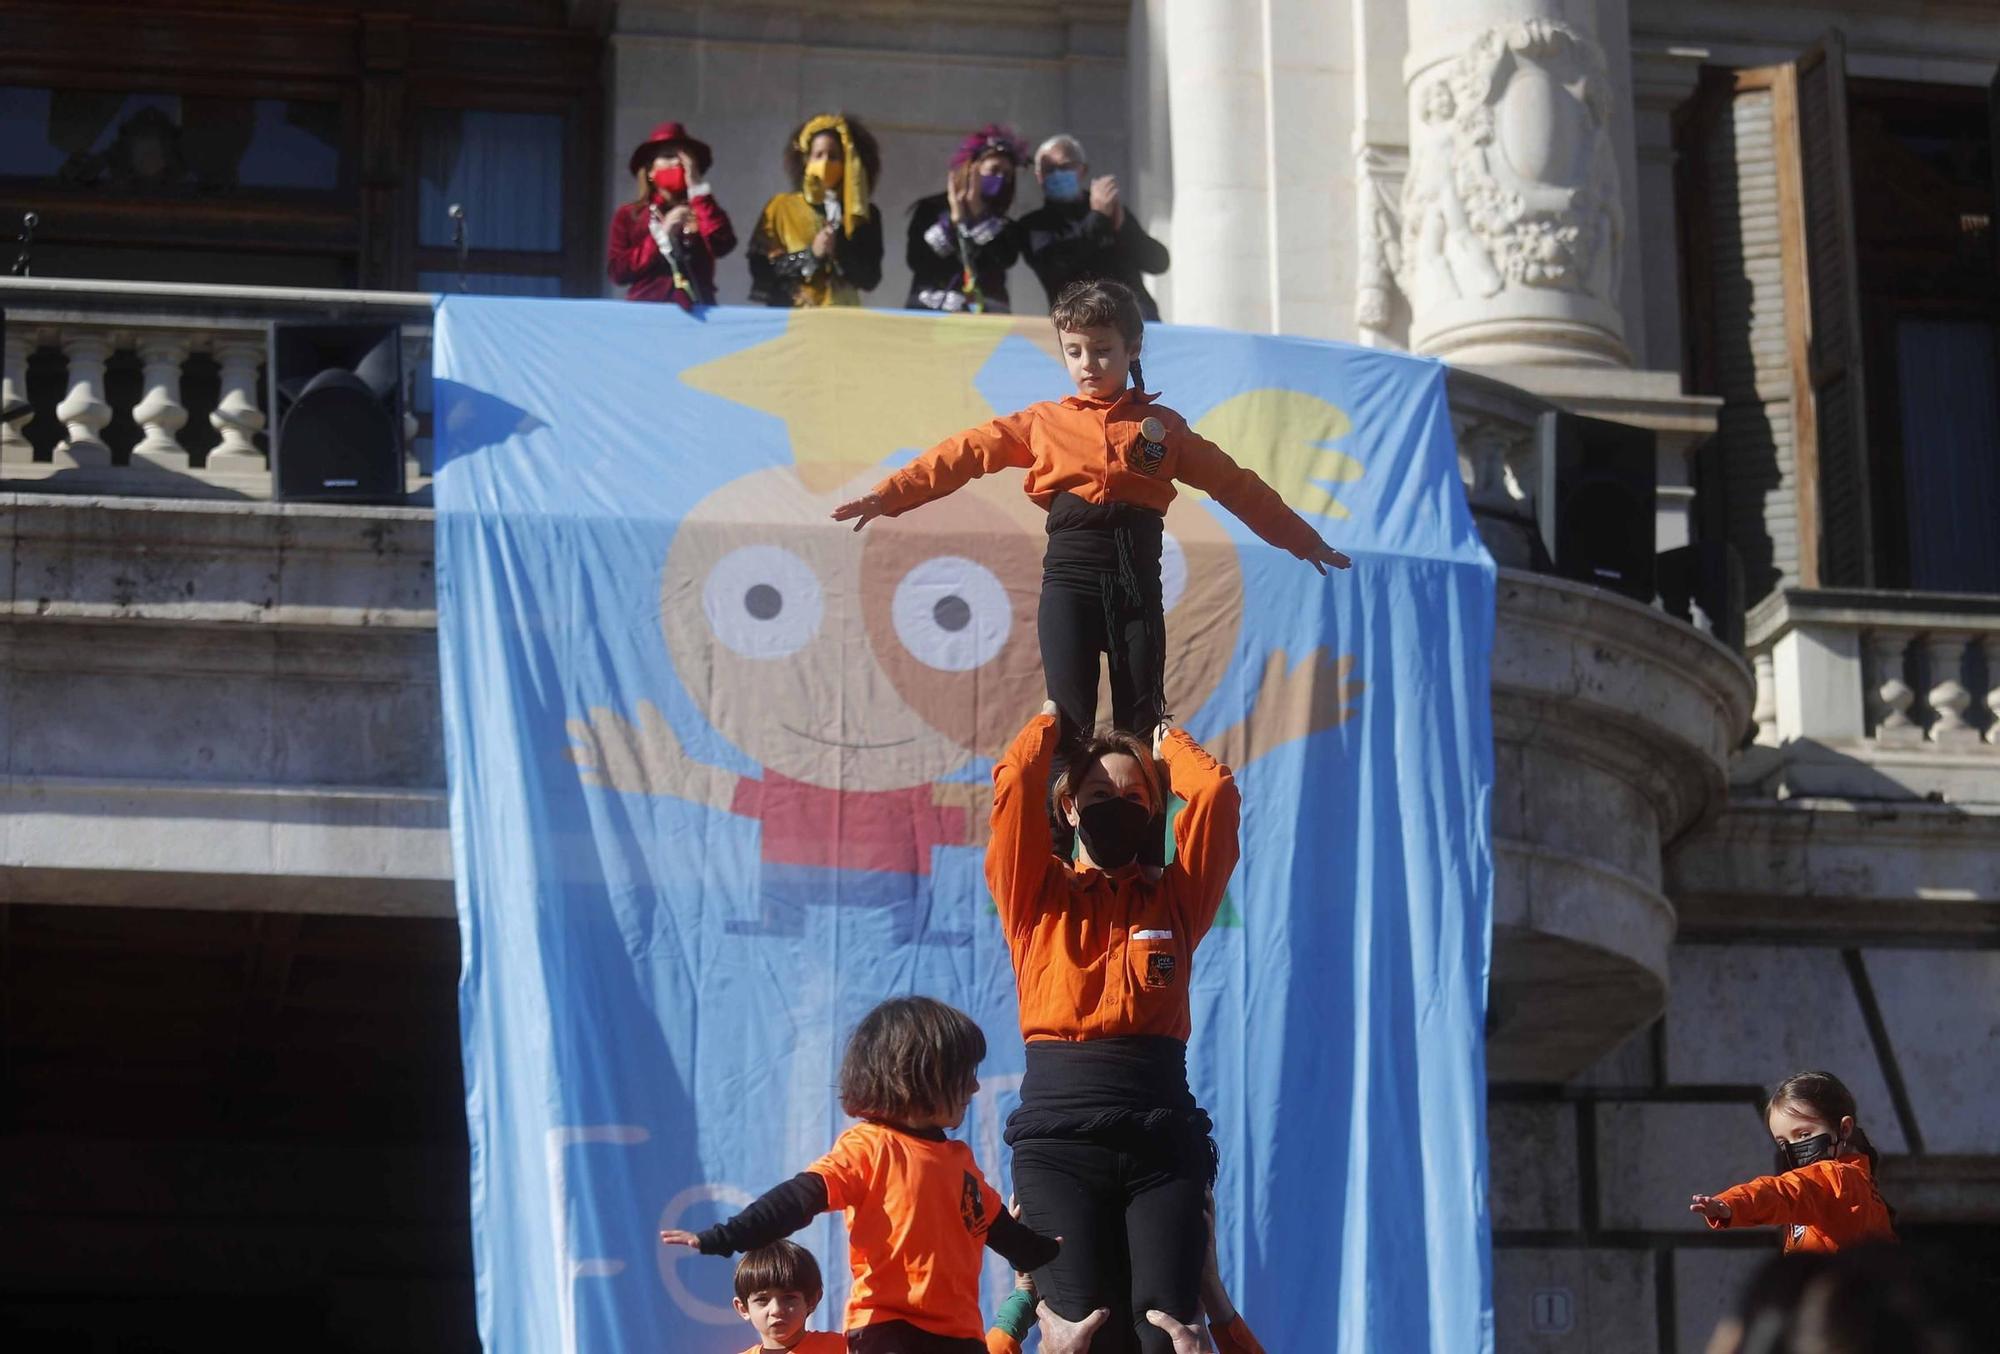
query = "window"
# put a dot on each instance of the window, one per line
(504, 171)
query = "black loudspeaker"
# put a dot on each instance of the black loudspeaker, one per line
(1594, 502)
(337, 412)
(1703, 585)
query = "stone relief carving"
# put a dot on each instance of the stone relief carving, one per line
(1378, 177)
(1513, 179)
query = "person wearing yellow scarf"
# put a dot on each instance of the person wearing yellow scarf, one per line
(821, 244)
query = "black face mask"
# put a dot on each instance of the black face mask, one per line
(1806, 1151)
(1112, 830)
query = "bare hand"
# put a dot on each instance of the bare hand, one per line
(1711, 1208)
(680, 218)
(862, 510)
(676, 1237)
(689, 166)
(1060, 1336)
(1160, 736)
(1325, 555)
(1104, 198)
(822, 244)
(1187, 1339)
(959, 194)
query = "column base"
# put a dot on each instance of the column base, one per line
(1523, 328)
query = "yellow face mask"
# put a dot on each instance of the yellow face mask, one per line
(826, 170)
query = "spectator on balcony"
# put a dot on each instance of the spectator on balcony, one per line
(1082, 230)
(962, 242)
(664, 243)
(821, 245)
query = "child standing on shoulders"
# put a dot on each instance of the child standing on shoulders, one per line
(777, 1287)
(1102, 463)
(1824, 1193)
(919, 1213)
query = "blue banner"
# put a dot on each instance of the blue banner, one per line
(719, 774)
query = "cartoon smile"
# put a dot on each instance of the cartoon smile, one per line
(837, 743)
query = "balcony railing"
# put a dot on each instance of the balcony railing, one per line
(1878, 694)
(159, 389)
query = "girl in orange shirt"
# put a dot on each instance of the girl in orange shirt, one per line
(1111, 1151)
(1102, 464)
(919, 1213)
(1824, 1193)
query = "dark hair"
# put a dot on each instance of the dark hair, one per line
(864, 147)
(1876, 1299)
(781, 1267)
(1095, 301)
(1828, 1098)
(1094, 749)
(909, 1057)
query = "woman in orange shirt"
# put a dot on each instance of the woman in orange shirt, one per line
(1824, 1193)
(1111, 1152)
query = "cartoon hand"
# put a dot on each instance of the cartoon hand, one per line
(1711, 1208)
(1291, 703)
(975, 798)
(1327, 555)
(644, 758)
(863, 510)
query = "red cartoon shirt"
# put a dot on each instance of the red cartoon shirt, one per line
(887, 830)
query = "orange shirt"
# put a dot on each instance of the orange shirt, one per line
(812, 1342)
(1091, 448)
(1826, 1206)
(917, 1213)
(1095, 957)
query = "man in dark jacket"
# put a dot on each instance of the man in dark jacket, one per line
(1082, 229)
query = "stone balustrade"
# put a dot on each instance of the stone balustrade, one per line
(160, 390)
(1876, 695)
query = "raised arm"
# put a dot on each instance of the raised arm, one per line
(1205, 840)
(1207, 467)
(949, 465)
(1020, 856)
(780, 1212)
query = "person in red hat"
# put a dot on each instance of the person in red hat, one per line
(664, 243)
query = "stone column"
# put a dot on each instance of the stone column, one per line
(236, 415)
(83, 411)
(1513, 231)
(14, 445)
(160, 413)
(1217, 90)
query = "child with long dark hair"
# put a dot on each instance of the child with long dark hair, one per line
(918, 1210)
(1823, 1193)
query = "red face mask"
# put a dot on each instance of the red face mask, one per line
(672, 179)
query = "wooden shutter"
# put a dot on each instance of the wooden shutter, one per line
(1823, 314)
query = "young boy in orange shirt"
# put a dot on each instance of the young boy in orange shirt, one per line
(1102, 464)
(777, 1287)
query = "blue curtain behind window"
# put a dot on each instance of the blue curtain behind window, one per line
(1951, 452)
(505, 169)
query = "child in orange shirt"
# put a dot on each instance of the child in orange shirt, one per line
(1824, 1193)
(1102, 464)
(777, 1287)
(919, 1213)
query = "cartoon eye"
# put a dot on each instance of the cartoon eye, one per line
(762, 602)
(1173, 572)
(952, 613)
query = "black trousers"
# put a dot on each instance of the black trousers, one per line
(1130, 1216)
(1101, 595)
(900, 1337)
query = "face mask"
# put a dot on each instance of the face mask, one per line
(992, 186)
(827, 172)
(1112, 830)
(670, 179)
(1061, 185)
(1806, 1151)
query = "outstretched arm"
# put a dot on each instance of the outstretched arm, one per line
(1207, 467)
(780, 1212)
(1811, 1196)
(947, 466)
